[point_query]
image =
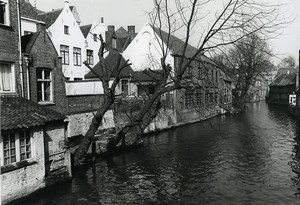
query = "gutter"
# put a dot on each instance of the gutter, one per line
(20, 49)
(33, 20)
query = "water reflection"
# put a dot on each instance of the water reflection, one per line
(252, 158)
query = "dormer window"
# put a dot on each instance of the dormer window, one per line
(4, 12)
(114, 43)
(66, 30)
(95, 37)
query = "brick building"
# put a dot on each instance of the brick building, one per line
(32, 143)
(43, 69)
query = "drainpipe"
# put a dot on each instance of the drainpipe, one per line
(20, 48)
(26, 64)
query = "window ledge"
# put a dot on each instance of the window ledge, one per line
(18, 165)
(7, 27)
(8, 93)
(46, 103)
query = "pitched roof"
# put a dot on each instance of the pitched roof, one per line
(285, 80)
(176, 45)
(28, 11)
(85, 29)
(28, 41)
(50, 17)
(19, 113)
(110, 63)
(123, 37)
(146, 76)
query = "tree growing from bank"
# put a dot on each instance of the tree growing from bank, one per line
(191, 20)
(247, 61)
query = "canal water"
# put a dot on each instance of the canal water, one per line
(251, 158)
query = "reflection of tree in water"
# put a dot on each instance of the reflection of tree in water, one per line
(295, 162)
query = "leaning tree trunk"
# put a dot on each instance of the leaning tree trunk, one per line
(133, 132)
(80, 154)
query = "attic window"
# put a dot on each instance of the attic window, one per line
(4, 12)
(66, 29)
(95, 37)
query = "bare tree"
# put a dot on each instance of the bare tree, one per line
(246, 61)
(287, 65)
(235, 20)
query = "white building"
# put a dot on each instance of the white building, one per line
(145, 50)
(67, 39)
(91, 33)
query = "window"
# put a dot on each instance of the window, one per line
(77, 56)
(4, 12)
(211, 97)
(66, 29)
(206, 98)
(16, 146)
(199, 96)
(189, 97)
(200, 71)
(114, 43)
(90, 57)
(77, 79)
(124, 87)
(25, 145)
(7, 78)
(64, 53)
(44, 85)
(189, 72)
(9, 149)
(95, 37)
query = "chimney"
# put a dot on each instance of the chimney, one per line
(111, 28)
(67, 3)
(131, 31)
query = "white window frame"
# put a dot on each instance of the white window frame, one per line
(13, 79)
(6, 15)
(17, 147)
(43, 80)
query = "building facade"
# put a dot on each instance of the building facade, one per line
(33, 154)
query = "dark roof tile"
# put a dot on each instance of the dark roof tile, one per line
(176, 45)
(28, 11)
(110, 63)
(285, 80)
(18, 112)
(85, 29)
(50, 17)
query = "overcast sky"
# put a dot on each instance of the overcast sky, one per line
(134, 12)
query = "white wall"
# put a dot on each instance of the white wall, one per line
(27, 25)
(84, 88)
(145, 50)
(97, 28)
(74, 39)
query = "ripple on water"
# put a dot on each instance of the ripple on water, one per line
(252, 158)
